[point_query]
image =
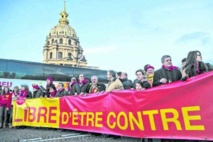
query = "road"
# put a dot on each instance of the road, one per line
(52, 135)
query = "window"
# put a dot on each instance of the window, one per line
(48, 42)
(69, 56)
(69, 42)
(25, 70)
(61, 41)
(3, 68)
(51, 55)
(60, 55)
(59, 73)
(52, 41)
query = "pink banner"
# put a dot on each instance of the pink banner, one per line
(179, 110)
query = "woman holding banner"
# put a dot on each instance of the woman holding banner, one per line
(5, 105)
(194, 65)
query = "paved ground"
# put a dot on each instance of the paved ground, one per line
(51, 135)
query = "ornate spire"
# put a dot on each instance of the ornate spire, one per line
(64, 15)
(65, 6)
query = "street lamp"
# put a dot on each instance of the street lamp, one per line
(79, 54)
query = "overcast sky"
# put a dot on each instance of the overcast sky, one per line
(123, 35)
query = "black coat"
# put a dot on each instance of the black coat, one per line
(37, 94)
(61, 93)
(48, 89)
(172, 76)
(76, 88)
(127, 84)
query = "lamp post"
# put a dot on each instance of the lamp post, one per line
(78, 55)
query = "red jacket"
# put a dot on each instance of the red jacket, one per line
(5, 100)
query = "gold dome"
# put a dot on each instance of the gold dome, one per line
(63, 29)
(62, 46)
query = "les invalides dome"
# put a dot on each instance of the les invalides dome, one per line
(62, 46)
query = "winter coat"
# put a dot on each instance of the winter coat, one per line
(127, 84)
(99, 88)
(115, 84)
(5, 100)
(48, 89)
(61, 93)
(170, 76)
(38, 93)
(77, 88)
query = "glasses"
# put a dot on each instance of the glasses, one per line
(81, 76)
(198, 55)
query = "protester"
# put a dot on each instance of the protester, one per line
(49, 84)
(183, 63)
(52, 92)
(61, 91)
(1, 91)
(149, 71)
(81, 86)
(142, 85)
(37, 91)
(194, 65)
(24, 91)
(127, 84)
(5, 105)
(119, 74)
(167, 73)
(71, 84)
(94, 86)
(140, 77)
(15, 95)
(114, 84)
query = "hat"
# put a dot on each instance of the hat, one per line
(50, 79)
(149, 67)
(35, 86)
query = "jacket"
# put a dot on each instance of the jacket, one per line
(100, 87)
(114, 84)
(127, 84)
(170, 76)
(77, 88)
(61, 93)
(5, 100)
(37, 94)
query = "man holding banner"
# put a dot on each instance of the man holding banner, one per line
(168, 73)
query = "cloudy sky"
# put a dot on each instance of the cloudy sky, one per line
(123, 35)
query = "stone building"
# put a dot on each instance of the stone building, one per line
(62, 46)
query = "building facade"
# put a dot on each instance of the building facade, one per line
(62, 46)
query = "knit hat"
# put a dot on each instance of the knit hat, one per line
(149, 67)
(35, 86)
(50, 79)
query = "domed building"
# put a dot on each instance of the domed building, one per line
(62, 46)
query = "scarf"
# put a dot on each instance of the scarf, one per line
(150, 77)
(52, 94)
(93, 89)
(170, 68)
(60, 90)
(83, 82)
(23, 93)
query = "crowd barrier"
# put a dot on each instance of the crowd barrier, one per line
(179, 110)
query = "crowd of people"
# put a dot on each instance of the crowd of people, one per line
(146, 78)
